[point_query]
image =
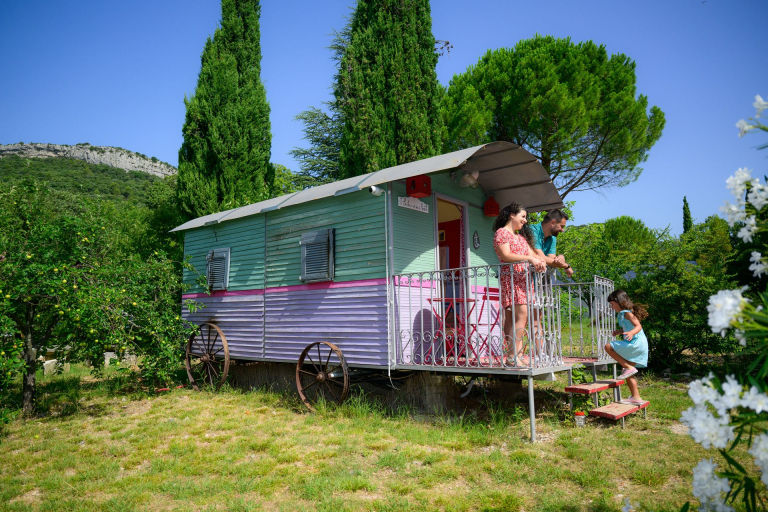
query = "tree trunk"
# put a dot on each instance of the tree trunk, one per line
(30, 356)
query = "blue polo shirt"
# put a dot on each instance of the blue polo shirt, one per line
(547, 245)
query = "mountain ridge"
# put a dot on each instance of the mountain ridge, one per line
(112, 156)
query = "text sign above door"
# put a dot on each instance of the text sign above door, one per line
(413, 204)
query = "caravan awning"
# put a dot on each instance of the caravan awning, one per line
(508, 171)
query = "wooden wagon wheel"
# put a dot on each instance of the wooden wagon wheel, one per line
(207, 357)
(322, 373)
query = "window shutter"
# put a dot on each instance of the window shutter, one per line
(217, 269)
(317, 256)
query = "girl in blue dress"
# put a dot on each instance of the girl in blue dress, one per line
(632, 351)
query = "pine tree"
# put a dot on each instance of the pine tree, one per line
(387, 89)
(687, 220)
(224, 160)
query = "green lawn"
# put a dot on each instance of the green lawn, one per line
(98, 446)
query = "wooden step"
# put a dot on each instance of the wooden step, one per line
(594, 387)
(617, 410)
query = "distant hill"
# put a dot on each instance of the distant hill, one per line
(105, 155)
(68, 174)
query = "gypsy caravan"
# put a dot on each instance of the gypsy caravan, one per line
(393, 270)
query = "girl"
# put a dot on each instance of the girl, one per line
(631, 352)
(512, 247)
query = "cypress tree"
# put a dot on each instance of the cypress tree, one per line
(386, 88)
(687, 219)
(224, 160)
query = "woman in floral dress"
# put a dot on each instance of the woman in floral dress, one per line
(513, 244)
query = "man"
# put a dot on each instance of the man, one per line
(545, 239)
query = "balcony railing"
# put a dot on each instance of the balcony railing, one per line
(453, 319)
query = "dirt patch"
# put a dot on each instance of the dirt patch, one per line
(679, 428)
(28, 498)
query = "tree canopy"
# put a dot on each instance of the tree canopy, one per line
(386, 87)
(224, 159)
(571, 105)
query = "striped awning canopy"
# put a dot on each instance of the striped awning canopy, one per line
(504, 169)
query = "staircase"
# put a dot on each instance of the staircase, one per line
(615, 410)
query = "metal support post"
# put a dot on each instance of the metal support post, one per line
(531, 408)
(622, 422)
(594, 379)
(570, 383)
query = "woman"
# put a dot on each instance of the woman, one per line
(513, 244)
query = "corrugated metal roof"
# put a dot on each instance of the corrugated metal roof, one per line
(506, 170)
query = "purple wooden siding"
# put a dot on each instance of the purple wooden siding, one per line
(354, 319)
(241, 319)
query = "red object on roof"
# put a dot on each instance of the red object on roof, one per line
(419, 186)
(491, 208)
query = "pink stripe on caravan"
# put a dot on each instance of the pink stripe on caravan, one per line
(298, 287)
(222, 293)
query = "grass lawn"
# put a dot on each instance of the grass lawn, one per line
(98, 446)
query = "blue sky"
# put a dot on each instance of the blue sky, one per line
(115, 74)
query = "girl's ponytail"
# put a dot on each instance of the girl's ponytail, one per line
(639, 312)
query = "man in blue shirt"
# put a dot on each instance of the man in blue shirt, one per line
(545, 239)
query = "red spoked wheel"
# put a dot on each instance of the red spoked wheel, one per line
(207, 358)
(322, 374)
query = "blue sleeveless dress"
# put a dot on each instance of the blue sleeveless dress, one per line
(634, 350)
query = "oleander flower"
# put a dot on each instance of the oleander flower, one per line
(737, 183)
(705, 429)
(748, 231)
(759, 105)
(741, 337)
(744, 127)
(758, 195)
(759, 451)
(733, 213)
(757, 401)
(725, 307)
(730, 398)
(702, 391)
(708, 487)
(758, 266)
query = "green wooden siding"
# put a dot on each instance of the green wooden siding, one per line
(414, 238)
(413, 235)
(358, 220)
(244, 237)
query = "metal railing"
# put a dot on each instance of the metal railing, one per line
(455, 319)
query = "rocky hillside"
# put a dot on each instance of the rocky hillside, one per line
(113, 157)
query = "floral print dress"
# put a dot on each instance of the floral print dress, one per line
(516, 279)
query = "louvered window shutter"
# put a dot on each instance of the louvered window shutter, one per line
(317, 256)
(217, 269)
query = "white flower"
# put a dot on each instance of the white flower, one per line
(706, 484)
(730, 398)
(705, 429)
(741, 337)
(759, 451)
(737, 183)
(701, 391)
(758, 266)
(757, 401)
(758, 195)
(743, 127)
(749, 229)
(723, 308)
(760, 105)
(733, 213)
